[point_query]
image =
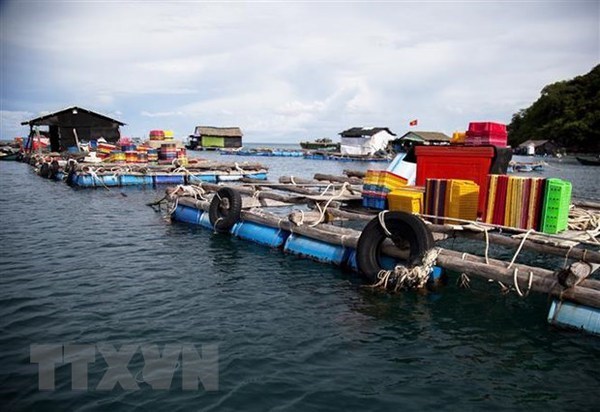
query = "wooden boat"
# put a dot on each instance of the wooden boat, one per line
(589, 160)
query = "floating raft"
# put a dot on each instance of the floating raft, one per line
(262, 152)
(88, 175)
(386, 260)
(306, 154)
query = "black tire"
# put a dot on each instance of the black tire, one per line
(403, 227)
(225, 209)
(45, 170)
(54, 168)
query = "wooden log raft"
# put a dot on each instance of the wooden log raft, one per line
(523, 277)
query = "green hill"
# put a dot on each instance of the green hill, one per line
(567, 113)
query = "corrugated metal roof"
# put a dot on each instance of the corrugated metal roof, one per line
(218, 131)
(364, 131)
(427, 136)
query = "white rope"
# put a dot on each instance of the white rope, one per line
(216, 223)
(238, 168)
(326, 189)
(516, 282)
(409, 278)
(324, 209)
(487, 247)
(519, 248)
(292, 180)
(464, 281)
(175, 204)
(381, 217)
(567, 256)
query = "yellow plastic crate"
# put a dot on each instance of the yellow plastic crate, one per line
(408, 201)
(372, 177)
(458, 137)
(391, 181)
(462, 199)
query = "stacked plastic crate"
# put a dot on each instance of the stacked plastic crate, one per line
(451, 198)
(376, 186)
(486, 133)
(528, 203)
(407, 199)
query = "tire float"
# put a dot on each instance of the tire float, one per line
(402, 228)
(225, 209)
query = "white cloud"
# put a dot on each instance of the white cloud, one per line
(10, 122)
(293, 69)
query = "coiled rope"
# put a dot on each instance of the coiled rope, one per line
(405, 278)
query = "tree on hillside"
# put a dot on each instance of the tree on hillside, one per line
(567, 112)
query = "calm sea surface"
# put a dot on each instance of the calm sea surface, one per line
(98, 267)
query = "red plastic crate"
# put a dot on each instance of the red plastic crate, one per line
(456, 162)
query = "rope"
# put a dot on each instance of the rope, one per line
(292, 180)
(519, 248)
(324, 209)
(326, 189)
(381, 217)
(174, 207)
(238, 168)
(516, 282)
(464, 281)
(408, 278)
(95, 178)
(487, 247)
(567, 256)
(216, 223)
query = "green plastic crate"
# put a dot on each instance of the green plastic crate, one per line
(555, 212)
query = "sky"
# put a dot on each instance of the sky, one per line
(289, 71)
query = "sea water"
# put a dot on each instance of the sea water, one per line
(98, 270)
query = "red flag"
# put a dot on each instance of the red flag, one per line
(413, 122)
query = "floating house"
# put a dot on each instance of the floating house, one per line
(365, 141)
(68, 127)
(208, 137)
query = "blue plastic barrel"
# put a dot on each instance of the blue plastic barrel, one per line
(572, 315)
(263, 235)
(202, 178)
(169, 179)
(136, 180)
(205, 221)
(261, 176)
(187, 214)
(315, 249)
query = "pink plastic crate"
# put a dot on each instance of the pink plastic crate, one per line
(499, 141)
(486, 129)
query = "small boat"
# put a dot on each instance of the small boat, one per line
(525, 167)
(320, 144)
(9, 154)
(589, 160)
